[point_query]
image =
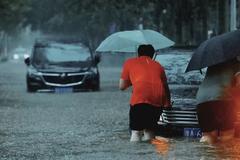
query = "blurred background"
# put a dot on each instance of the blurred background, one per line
(187, 22)
(94, 125)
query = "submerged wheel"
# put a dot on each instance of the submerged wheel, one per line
(31, 88)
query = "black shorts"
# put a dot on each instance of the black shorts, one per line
(144, 116)
(216, 115)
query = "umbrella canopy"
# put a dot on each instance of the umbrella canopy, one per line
(128, 41)
(215, 50)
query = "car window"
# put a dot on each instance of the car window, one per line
(65, 55)
(59, 53)
(175, 64)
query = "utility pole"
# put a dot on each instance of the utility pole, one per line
(233, 15)
(140, 25)
(6, 46)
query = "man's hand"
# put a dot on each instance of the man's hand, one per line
(124, 84)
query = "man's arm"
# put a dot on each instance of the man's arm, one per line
(167, 102)
(237, 79)
(168, 95)
(124, 84)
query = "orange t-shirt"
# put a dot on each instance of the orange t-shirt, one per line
(147, 78)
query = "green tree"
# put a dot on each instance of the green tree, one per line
(184, 21)
(12, 14)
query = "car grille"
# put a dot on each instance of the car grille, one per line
(68, 79)
(180, 117)
(183, 117)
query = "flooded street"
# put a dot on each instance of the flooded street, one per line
(83, 125)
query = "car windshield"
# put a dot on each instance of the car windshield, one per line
(175, 63)
(61, 54)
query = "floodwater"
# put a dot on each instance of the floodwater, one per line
(85, 125)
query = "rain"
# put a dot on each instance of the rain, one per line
(59, 94)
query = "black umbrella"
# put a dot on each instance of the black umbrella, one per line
(215, 50)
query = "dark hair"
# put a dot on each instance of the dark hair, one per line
(146, 50)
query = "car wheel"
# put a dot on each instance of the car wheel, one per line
(96, 84)
(30, 88)
(96, 87)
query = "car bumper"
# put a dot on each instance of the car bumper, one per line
(184, 122)
(40, 84)
(179, 122)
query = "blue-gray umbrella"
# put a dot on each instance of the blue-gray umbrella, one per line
(215, 50)
(128, 41)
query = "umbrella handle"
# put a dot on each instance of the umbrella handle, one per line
(154, 56)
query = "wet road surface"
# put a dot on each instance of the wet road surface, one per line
(83, 125)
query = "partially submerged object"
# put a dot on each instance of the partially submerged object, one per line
(182, 121)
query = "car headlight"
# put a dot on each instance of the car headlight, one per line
(91, 73)
(32, 72)
(94, 70)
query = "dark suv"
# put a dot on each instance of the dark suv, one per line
(181, 119)
(61, 67)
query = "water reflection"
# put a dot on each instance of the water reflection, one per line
(228, 150)
(161, 145)
(185, 148)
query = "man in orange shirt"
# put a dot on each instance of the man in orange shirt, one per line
(150, 92)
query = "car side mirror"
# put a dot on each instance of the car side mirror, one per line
(27, 61)
(96, 59)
